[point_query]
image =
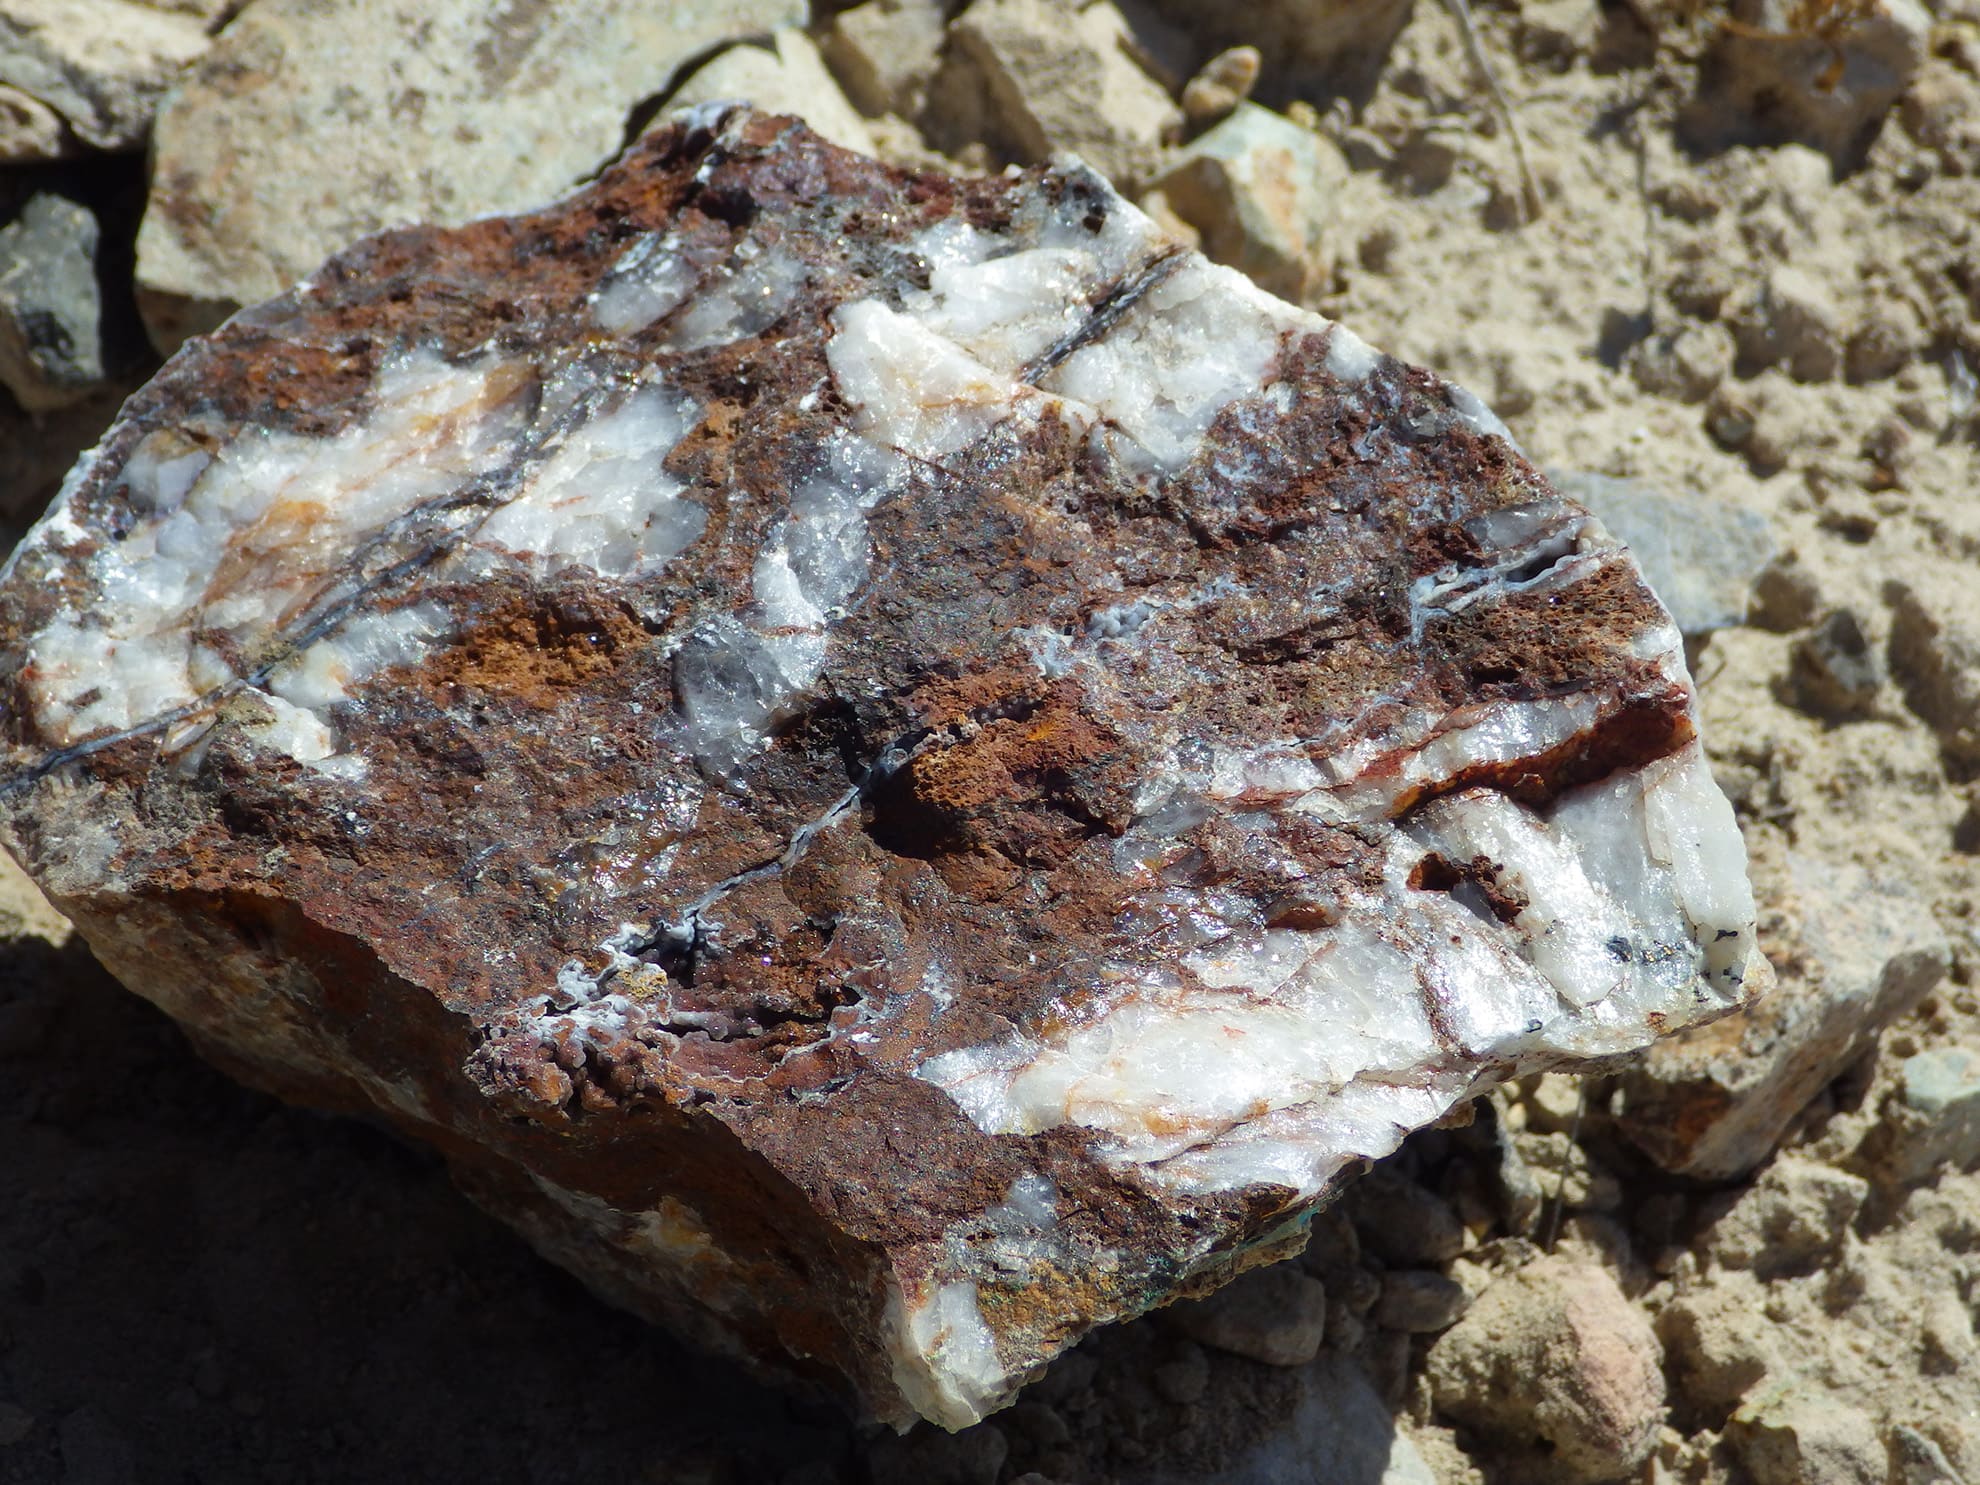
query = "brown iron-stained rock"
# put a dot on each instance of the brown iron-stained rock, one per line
(891, 767)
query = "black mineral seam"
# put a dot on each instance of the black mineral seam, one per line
(1112, 307)
(676, 946)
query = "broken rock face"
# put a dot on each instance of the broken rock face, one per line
(893, 767)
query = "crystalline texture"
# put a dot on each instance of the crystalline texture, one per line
(894, 768)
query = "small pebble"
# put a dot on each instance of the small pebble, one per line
(1792, 321)
(1884, 342)
(1225, 81)
(1786, 596)
(1419, 1301)
(1277, 1315)
(1835, 672)
(1686, 365)
(1555, 1355)
(1403, 1224)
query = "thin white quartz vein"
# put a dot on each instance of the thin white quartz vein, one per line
(403, 544)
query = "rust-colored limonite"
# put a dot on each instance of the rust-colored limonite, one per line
(891, 767)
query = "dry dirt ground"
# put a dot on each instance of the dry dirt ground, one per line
(199, 1285)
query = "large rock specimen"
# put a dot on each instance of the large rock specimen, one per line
(894, 768)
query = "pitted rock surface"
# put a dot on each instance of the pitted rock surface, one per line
(892, 767)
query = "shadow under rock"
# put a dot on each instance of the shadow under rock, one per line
(200, 1284)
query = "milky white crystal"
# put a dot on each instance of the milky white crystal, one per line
(603, 500)
(740, 299)
(945, 1356)
(1204, 337)
(231, 544)
(235, 549)
(737, 675)
(1283, 1054)
(949, 364)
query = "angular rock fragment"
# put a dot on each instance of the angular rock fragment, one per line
(1311, 48)
(100, 65)
(885, 52)
(1934, 1118)
(1796, 1218)
(1277, 1315)
(1554, 1365)
(1798, 1431)
(893, 767)
(1824, 75)
(1935, 651)
(1834, 672)
(1034, 78)
(1855, 954)
(1260, 190)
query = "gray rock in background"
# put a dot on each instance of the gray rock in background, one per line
(1313, 49)
(1420, 1301)
(1700, 555)
(50, 310)
(101, 65)
(1791, 319)
(1276, 1314)
(1833, 671)
(1772, 77)
(1935, 653)
(313, 122)
(1401, 1223)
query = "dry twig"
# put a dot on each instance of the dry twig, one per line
(1529, 191)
